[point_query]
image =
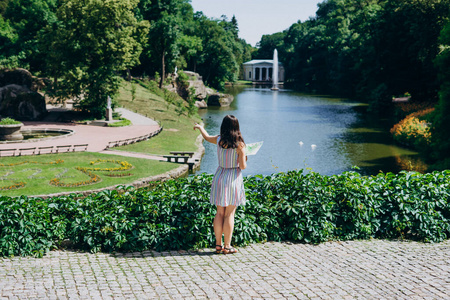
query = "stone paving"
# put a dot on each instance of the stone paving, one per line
(374, 269)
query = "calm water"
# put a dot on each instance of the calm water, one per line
(300, 131)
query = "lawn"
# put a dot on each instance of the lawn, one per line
(39, 174)
(178, 133)
(67, 172)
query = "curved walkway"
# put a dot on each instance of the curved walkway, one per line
(97, 137)
(373, 269)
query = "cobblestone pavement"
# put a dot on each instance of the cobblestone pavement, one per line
(374, 269)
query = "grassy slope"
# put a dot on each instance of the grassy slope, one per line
(177, 135)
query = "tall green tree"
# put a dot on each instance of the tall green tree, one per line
(441, 129)
(91, 41)
(371, 49)
(219, 60)
(267, 44)
(8, 38)
(28, 18)
(166, 32)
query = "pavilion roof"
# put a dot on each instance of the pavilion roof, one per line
(260, 61)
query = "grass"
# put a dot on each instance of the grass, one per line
(123, 122)
(37, 172)
(178, 135)
(242, 82)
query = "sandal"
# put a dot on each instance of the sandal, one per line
(218, 249)
(231, 250)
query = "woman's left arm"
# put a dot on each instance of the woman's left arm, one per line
(242, 158)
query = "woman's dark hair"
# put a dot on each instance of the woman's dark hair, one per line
(230, 135)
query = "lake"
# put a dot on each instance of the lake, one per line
(324, 134)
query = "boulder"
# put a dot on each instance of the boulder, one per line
(201, 104)
(20, 77)
(204, 96)
(196, 82)
(20, 103)
(219, 99)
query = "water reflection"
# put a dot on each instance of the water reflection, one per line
(336, 134)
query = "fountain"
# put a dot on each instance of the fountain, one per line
(275, 71)
(37, 134)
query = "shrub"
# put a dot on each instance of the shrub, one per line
(9, 121)
(413, 131)
(176, 214)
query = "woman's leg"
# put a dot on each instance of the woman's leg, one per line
(228, 225)
(218, 224)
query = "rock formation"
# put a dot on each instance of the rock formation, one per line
(204, 96)
(19, 98)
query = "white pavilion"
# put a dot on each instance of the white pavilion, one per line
(260, 71)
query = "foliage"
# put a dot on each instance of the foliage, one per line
(88, 44)
(268, 43)
(9, 121)
(165, 37)
(176, 214)
(412, 131)
(365, 49)
(26, 19)
(405, 108)
(222, 52)
(441, 132)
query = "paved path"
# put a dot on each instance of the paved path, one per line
(97, 137)
(135, 118)
(374, 269)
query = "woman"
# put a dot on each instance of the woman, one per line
(227, 190)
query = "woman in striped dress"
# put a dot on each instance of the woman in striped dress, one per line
(227, 190)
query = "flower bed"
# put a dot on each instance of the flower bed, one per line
(413, 131)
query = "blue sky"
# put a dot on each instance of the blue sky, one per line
(258, 17)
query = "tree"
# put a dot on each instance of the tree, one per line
(91, 41)
(441, 123)
(28, 18)
(268, 43)
(165, 35)
(8, 38)
(219, 60)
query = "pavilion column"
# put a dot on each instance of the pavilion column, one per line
(260, 74)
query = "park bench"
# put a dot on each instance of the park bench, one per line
(113, 144)
(176, 158)
(183, 153)
(81, 147)
(43, 150)
(25, 151)
(13, 151)
(63, 148)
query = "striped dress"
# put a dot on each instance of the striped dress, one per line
(227, 186)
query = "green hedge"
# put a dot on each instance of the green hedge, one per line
(176, 214)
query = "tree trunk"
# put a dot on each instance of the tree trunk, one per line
(163, 69)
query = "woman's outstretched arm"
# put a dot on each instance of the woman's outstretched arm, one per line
(206, 136)
(242, 158)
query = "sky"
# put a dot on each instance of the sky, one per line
(258, 17)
